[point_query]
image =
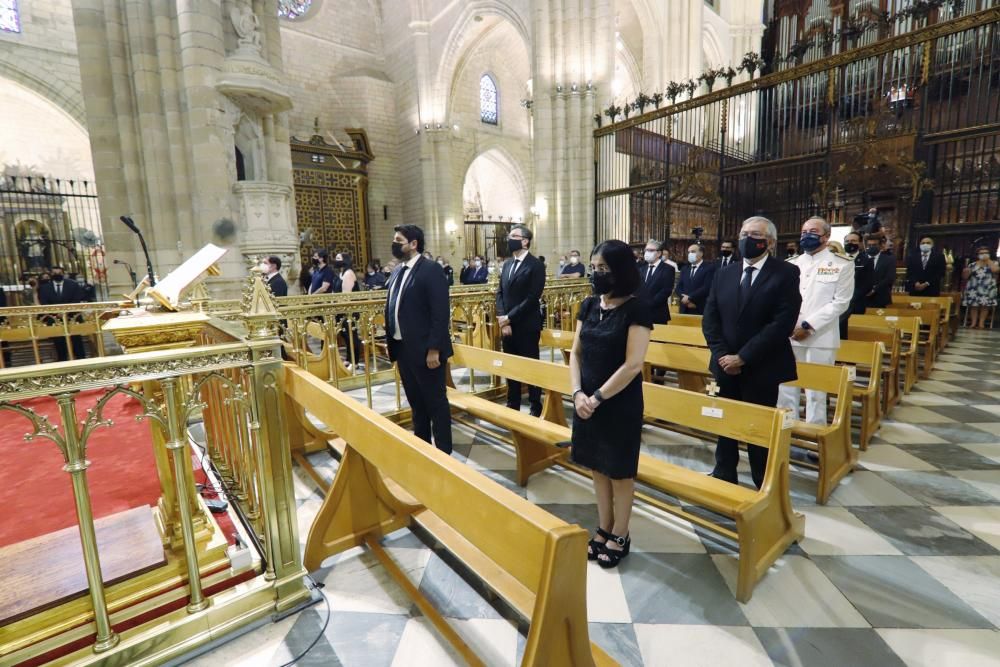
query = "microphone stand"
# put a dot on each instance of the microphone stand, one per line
(149, 262)
(131, 272)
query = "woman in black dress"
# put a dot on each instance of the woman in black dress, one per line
(606, 370)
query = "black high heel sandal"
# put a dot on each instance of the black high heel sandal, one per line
(614, 556)
(595, 548)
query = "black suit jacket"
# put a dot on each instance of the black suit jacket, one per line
(278, 285)
(759, 331)
(424, 310)
(657, 290)
(71, 293)
(864, 278)
(518, 296)
(477, 276)
(933, 273)
(697, 289)
(722, 263)
(883, 278)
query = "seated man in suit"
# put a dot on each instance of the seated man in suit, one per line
(657, 281)
(477, 273)
(696, 281)
(272, 276)
(417, 313)
(575, 268)
(60, 291)
(883, 271)
(925, 270)
(752, 310)
(519, 314)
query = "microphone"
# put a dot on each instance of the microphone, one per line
(149, 262)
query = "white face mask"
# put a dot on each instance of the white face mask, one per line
(266, 268)
(562, 263)
(478, 264)
(574, 260)
(693, 257)
(650, 256)
(984, 256)
(925, 247)
(491, 269)
(441, 263)
(465, 264)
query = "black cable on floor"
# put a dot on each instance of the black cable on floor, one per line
(322, 631)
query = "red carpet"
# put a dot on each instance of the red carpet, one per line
(36, 494)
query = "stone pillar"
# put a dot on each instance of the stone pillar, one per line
(170, 87)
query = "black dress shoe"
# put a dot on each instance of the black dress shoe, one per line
(732, 478)
(536, 412)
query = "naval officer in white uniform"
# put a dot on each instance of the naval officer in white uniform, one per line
(826, 283)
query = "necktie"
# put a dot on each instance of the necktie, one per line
(746, 283)
(393, 301)
(923, 260)
(58, 289)
(693, 269)
(513, 268)
(649, 273)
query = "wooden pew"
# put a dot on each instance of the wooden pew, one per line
(930, 323)
(947, 303)
(890, 340)
(831, 442)
(867, 391)
(909, 329)
(765, 522)
(535, 561)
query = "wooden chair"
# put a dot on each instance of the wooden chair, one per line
(765, 522)
(865, 358)
(388, 478)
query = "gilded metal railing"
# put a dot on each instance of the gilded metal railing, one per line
(907, 125)
(35, 327)
(236, 389)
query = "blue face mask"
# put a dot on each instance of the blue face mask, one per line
(810, 241)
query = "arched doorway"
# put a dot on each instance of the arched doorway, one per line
(494, 195)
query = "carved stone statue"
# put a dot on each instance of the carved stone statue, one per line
(247, 27)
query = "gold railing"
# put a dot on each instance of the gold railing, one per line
(36, 326)
(236, 389)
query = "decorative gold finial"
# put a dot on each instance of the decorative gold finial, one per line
(260, 310)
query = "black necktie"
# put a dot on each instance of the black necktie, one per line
(649, 273)
(513, 268)
(746, 283)
(390, 316)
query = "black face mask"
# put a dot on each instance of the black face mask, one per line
(602, 282)
(315, 262)
(790, 251)
(851, 248)
(872, 250)
(514, 245)
(752, 248)
(58, 277)
(338, 264)
(726, 253)
(397, 250)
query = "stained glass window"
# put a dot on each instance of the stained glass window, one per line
(9, 19)
(488, 107)
(291, 9)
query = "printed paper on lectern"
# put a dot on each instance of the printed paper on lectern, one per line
(168, 291)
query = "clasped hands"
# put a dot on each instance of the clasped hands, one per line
(801, 334)
(731, 364)
(504, 322)
(585, 405)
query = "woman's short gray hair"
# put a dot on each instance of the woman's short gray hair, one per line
(772, 231)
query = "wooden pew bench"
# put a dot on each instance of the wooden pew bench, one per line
(909, 330)
(890, 340)
(830, 442)
(388, 478)
(946, 304)
(765, 523)
(930, 322)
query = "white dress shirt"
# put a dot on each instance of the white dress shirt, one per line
(398, 335)
(757, 264)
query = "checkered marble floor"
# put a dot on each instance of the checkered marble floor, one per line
(902, 567)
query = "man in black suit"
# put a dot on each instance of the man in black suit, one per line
(864, 277)
(925, 269)
(884, 271)
(696, 281)
(478, 273)
(417, 315)
(272, 276)
(519, 315)
(726, 254)
(751, 312)
(60, 291)
(657, 281)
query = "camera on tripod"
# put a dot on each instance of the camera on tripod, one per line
(698, 231)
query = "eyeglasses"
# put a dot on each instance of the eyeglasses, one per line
(753, 235)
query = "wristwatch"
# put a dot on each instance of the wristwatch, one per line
(807, 326)
(598, 395)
